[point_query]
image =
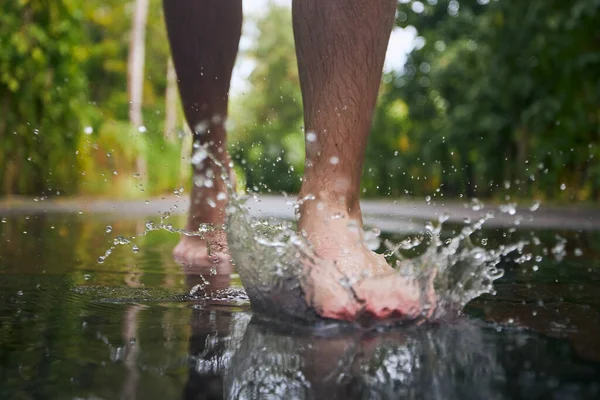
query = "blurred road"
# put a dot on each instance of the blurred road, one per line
(387, 215)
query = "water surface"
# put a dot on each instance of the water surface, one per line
(127, 328)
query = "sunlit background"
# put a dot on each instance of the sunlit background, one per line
(488, 99)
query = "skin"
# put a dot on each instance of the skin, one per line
(341, 46)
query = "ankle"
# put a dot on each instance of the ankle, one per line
(327, 201)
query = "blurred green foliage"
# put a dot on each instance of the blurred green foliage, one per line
(498, 97)
(63, 96)
(43, 94)
(267, 138)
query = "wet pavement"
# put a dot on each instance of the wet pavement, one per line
(128, 328)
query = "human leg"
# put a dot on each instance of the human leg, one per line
(204, 37)
(341, 47)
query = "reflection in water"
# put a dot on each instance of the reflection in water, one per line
(72, 328)
(463, 360)
(132, 350)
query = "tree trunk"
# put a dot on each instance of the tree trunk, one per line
(135, 71)
(135, 66)
(171, 103)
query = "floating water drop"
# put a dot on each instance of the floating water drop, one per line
(88, 130)
(334, 160)
(443, 217)
(535, 268)
(199, 156)
(311, 136)
(563, 186)
(135, 249)
(4, 220)
(510, 208)
(535, 205)
(578, 252)
(476, 204)
(108, 229)
(142, 129)
(201, 127)
(221, 196)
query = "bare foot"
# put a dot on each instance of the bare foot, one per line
(207, 206)
(204, 254)
(352, 281)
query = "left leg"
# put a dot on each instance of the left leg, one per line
(204, 37)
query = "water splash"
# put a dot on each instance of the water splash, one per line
(272, 260)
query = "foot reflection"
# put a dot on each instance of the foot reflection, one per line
(419, 362)
(236, 356)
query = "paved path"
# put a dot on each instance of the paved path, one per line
(391, 216)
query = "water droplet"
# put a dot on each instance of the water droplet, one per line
(101, 259)
(135, 249)
(20, 293)
(108, 229)
(578, 252)
(88, 130)
(142, 129)
(334, 160)
(535, 205)
(443, 218)
(4, 220)
(201, 127)
(535, 268)
(476, 204)
(484, 241)
(311, 137)
(510, 208)
(563, 186)
(199, 155)
(222, 196)
(211, 203)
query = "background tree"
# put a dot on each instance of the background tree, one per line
(43, 95)
(267, 139)
(503, 96)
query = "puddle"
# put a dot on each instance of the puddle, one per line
(129, 328)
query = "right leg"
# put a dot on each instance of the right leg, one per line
(204, 37)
